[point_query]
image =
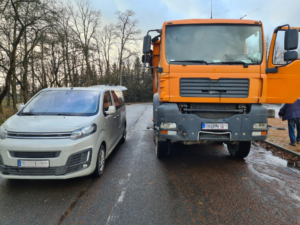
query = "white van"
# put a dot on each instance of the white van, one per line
(63, 133)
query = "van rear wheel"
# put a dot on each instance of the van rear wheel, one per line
(240, 150)
(123, 139)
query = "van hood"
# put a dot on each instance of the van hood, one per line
(47, 123)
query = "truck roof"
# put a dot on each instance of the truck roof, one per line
(219, 21)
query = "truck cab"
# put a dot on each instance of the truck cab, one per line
(210, 78)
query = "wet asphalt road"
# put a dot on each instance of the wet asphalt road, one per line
(197, 184)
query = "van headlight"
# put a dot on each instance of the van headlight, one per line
(3, 133)
(83, 132)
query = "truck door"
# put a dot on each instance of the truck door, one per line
(283, 69)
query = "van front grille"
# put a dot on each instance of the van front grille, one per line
(36, 135)
(222, 88)
(34, 155)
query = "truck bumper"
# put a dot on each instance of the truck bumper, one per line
(189, 126)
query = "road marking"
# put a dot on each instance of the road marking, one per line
(115, 211)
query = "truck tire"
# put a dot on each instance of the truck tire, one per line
(162, 148)
(240, 150)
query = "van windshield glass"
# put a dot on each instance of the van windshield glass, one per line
(64, 103)
(214, 44)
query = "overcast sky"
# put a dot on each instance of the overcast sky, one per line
(152, 13)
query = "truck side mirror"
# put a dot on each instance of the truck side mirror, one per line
(291, 39)
(146, 58)
(147, 44)
(290, 56)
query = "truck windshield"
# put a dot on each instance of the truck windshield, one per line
(63, 103)
(214, 44)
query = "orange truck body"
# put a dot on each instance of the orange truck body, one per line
(264, 88)
(175, 114)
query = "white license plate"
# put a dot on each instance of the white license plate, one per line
(214, 126)
(34, 164)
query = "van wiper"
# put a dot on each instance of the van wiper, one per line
(191, 60)
(28, 113)
(235, 63)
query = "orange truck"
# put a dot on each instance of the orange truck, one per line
(211, 77)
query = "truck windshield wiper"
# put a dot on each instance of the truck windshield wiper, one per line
(236, 62)
(191, 60)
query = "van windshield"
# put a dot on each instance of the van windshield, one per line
(64, 103)
(214, 44)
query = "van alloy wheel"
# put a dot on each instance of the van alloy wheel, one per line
(100, 162)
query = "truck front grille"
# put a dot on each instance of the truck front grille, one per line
(222, 88)
(214, 136)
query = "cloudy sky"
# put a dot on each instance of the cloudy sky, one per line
(152, 13)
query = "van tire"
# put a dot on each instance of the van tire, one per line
(240, 150)
(123, 139)
(162, 148)
(100, 164)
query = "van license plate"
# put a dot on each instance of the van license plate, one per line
(214, 126)
(34, 164)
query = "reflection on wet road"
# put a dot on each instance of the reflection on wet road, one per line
(197, 184)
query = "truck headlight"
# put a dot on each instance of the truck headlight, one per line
(168, 125)
(260, 126)
(83, 132)
(3, 133)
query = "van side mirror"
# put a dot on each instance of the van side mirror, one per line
(291, 39)
(147, 44)
(111, 110)
(20, 106)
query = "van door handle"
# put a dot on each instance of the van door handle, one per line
(118, 115)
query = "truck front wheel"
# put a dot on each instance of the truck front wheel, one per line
(162, 148)
(240, 150)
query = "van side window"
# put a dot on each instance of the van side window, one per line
(121, 98)
(106, 101)
(116, 100)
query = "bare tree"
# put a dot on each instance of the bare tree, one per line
(85, 23)
(127, 34)
(106, 42)
(21, 22)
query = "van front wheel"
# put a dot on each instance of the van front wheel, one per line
(100, 162)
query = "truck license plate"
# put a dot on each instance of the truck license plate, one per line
(34, 164)
(214, 126)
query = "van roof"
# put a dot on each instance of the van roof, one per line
(95, 87)
(110, 87)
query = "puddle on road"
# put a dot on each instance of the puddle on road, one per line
(277, 156)
(280, 171)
